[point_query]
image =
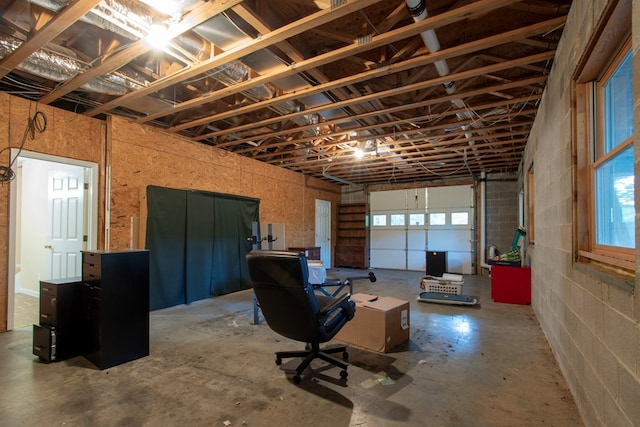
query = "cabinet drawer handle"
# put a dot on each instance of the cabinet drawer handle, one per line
(44, 316)
(45, 289)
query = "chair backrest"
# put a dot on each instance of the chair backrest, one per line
(286, 298)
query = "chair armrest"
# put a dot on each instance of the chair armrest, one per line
(338, 284)
(336, 303)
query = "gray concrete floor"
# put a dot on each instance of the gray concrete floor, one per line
(486, 365)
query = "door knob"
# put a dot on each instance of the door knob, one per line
(48, 247)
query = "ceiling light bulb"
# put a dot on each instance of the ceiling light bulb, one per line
(158, 36)
(358, 153)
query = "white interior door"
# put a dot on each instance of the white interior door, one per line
(31, 221)
(65, 203)
(323, 230)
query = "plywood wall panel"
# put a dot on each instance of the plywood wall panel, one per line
(66, 135)
(142, 156)
(136, 156)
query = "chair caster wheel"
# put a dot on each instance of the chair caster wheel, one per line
(278, 361)
(344, 374)
(345, 356)
(296, 379)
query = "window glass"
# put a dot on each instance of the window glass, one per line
(604, 148)
(379, 220)
(618, 105)
(615, 213)
(459, 218)
(438, 218)
(397, 219)
(530, 206)
(416, 219)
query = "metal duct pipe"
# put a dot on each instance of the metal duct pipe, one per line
(61, 66)
(128, 19)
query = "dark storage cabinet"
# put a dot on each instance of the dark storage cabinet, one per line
(436, 263)
(44, 343)
(311, 252)
(57, 337)
(115, 306)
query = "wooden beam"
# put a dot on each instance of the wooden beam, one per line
(44, 35)
(116, 60)
(364, 98)
(421, 132)
(467, 48)
(357, 47)
(266, 40)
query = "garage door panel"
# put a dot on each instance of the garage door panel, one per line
(385, 200)
(387, 239)
(459, 262)
(416, 239)
(449, 240)
(416, 260)
(459, 196)
(404, 246)
(386, 258)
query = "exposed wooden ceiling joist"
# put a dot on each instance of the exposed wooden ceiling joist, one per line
(302, 84)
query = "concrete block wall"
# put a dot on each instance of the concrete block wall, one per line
(590, 317)
(501, 210)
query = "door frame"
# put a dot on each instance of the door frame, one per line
(90, 220)
(325, 255)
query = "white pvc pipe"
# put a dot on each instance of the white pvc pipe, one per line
(418, 10)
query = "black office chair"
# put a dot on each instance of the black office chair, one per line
(280, 281)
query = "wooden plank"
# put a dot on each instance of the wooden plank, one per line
(137, 48)
(41, 37)
(474, 46)
(339, 54)
(266, 40)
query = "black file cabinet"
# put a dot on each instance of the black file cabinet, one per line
(57, 337)
(115, 306)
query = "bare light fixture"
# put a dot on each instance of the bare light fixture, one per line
(158, 36)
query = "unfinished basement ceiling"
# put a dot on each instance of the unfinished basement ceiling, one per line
(301, 84)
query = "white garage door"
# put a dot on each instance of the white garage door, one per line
(450, 226)
(407, 223)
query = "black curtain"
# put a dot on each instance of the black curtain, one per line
(197, 242)
(166, 223)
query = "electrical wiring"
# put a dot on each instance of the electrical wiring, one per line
(37, 124)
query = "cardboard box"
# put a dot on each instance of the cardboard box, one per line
(380, 323)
